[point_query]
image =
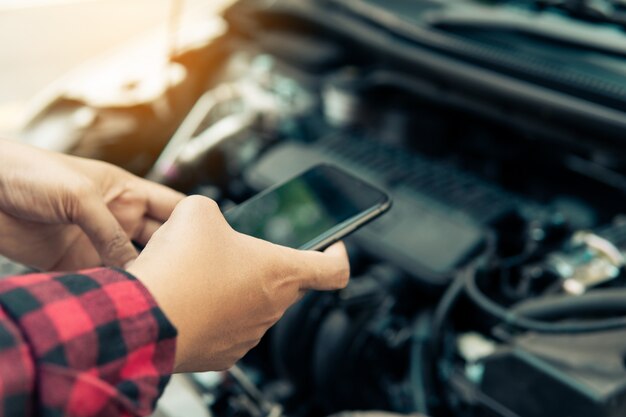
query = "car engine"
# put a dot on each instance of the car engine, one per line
(495, 286)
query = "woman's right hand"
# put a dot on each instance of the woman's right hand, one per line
(223, 290)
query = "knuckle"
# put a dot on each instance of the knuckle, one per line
(198, 204)
(83, 188)
(76, 198)
(337, 280)
(269, 288)
(119, 239)
(274, 318)
(223, 365)
(230, 362)
(254, 343)
(117, 244)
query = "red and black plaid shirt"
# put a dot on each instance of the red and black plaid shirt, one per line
(92, 343)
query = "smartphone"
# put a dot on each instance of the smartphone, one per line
(310, 211)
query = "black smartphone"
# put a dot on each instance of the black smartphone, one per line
(310, 211)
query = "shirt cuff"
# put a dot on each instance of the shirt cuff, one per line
(100, 343)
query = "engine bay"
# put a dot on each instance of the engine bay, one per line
(495, 286)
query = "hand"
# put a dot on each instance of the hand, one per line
(59, 212)
(223, 289)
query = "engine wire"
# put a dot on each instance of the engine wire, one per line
(465, 283)
(511, 318)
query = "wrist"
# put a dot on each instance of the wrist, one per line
(165, 298)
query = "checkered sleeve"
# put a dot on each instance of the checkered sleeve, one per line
(17, 372)
(93, 343)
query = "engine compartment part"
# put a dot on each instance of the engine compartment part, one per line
(483, 290)
(577, 375)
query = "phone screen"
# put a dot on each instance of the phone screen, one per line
(308, 209)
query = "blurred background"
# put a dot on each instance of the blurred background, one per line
(43, 40)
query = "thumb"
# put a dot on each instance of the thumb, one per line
(328, 270)
(105, 233)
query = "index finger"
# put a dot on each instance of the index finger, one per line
(106, 234)
(161, 200)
